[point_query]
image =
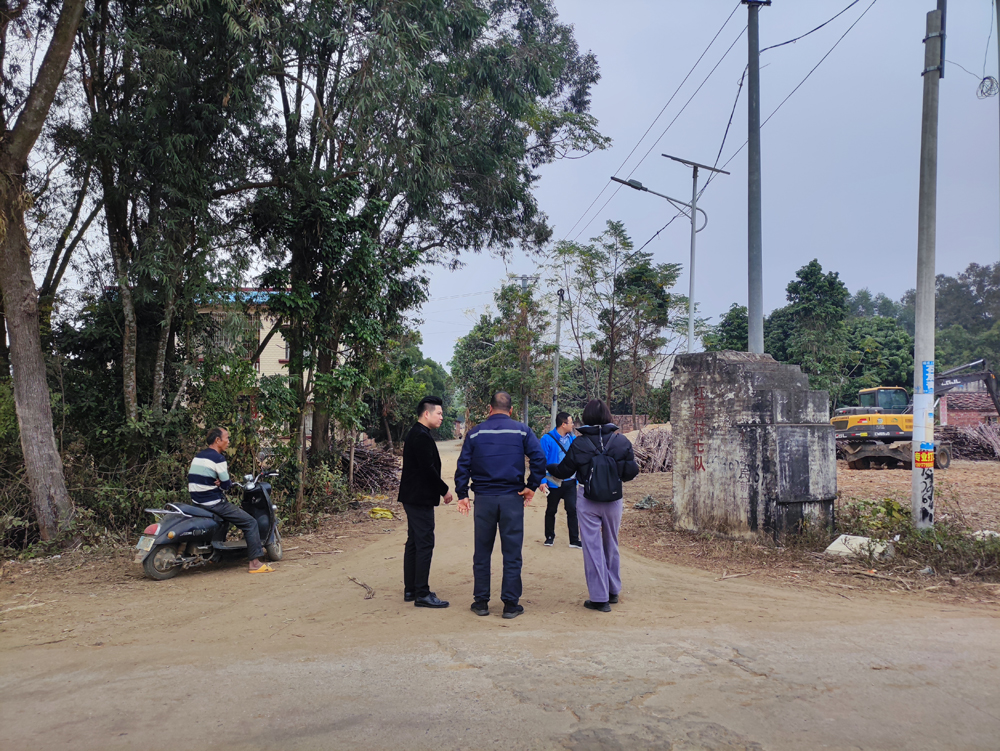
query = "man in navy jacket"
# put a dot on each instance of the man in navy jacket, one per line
(493, 460)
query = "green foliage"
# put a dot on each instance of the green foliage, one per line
(879, 519)
(947, 548)
(621, 315)
(506, 352)
(9, 433)
(731, 333)
(878, 353)
(818, 306)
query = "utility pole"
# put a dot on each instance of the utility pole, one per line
(755, 253)
(694, 208)
(922, 482)
(997, 14)
(524, 365)
(555, 365)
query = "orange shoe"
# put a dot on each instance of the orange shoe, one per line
(264, 569)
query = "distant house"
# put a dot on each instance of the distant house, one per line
(240, 323)
(967, 409)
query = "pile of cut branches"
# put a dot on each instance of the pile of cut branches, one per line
(653, 451)
(375, 470)
(978, 444)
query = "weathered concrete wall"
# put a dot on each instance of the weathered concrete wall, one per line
(753, 447)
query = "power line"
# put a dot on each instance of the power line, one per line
(655, 120)
(660, 137)
(830, 20)
(455, 297)
(740, 88)
(989, 38)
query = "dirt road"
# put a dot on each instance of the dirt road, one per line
(300, 660)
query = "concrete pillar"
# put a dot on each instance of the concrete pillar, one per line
(754, 450)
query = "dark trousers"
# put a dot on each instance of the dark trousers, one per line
(419, 549)
(242, 521)
(506, 513)
(567, 494)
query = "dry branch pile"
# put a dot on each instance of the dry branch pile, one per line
(978, 444)
(653, 450)
(375, 470)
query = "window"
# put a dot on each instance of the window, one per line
(892, 399)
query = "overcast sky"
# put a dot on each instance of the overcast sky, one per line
(840, 160)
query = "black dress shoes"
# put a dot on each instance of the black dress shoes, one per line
(409, 597)
(601, 606)
(430, 601)
(613, 599)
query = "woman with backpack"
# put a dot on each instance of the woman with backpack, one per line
(602, 459)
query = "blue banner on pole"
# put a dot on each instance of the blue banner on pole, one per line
(928, 379)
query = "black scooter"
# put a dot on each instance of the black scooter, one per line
(185, 535)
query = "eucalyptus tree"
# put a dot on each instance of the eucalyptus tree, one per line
(438, 115)
(175, 123)
(26, 95)
(622, 316)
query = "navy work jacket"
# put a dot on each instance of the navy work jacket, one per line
(493, 458)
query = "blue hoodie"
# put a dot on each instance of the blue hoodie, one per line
(493, 458)
(555, 447)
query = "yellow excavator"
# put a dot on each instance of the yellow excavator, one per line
(877, 433)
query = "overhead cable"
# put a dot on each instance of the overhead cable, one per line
(660, 137)
(655, 120)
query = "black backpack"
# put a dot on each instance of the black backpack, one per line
(603, 485)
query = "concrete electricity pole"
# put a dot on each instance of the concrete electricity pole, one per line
(555, 365)
(922, 483)
(694, 208)
(755, 264)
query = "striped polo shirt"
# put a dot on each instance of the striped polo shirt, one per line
(207, 467)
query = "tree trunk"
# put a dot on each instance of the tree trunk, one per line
(49, 497)
(43, 465)
(159, 369)
(130, 336)
(350, 466)
(4, 349)
(321, 410)
(388, 432)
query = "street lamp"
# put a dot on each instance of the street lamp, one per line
(692, 209)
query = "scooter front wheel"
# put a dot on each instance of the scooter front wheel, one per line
(274, 549)
(159, 564)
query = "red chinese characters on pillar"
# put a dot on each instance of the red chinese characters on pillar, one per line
(699, 429)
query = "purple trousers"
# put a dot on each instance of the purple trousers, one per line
(599, 523)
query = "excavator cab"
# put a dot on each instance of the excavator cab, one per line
(891, 400)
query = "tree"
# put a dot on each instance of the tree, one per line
(731, 333)
(818, 308)
(505, 352)
(440, 114)
(30, 102)
(174, 105)
(878, 352)
(621, 315)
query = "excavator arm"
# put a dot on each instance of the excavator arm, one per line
(948, 380)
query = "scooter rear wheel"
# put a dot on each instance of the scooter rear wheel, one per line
(157, 564)
(274, 549)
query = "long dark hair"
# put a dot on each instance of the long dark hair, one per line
(596, 413)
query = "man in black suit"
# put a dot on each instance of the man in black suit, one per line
(420, 490)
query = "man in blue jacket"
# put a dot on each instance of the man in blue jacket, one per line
(493, 460)
(555, 444)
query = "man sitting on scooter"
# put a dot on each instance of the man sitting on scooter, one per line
(208, 478)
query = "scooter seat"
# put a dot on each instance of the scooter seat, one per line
(192, 510)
